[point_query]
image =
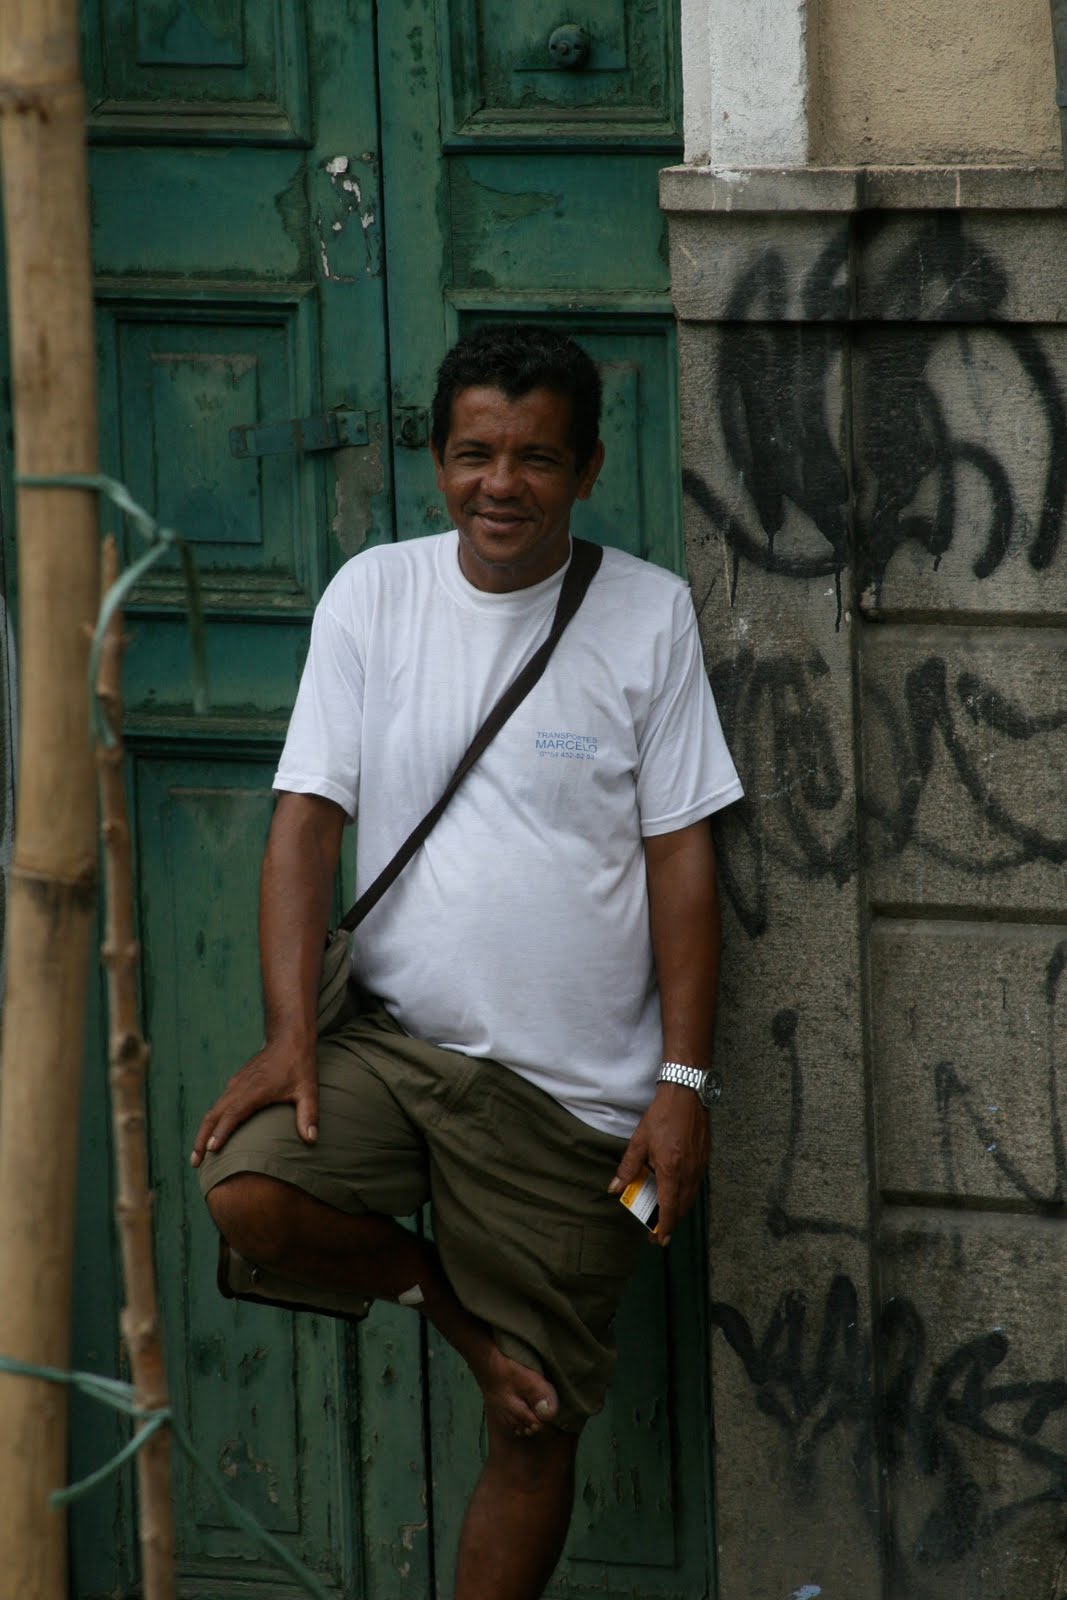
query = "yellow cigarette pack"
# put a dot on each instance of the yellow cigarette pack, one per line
(641, 1198)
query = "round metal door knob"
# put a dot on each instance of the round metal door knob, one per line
(568, 45)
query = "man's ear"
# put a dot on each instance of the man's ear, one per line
(438, 465)
(591, 472)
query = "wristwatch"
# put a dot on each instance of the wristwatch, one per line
(707, 1086)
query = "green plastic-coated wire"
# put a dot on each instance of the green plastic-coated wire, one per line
(111, 1391)
(160, 540)
(120, 1397)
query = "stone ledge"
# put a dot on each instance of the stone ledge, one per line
(851, 189)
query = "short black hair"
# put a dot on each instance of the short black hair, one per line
(516, 357)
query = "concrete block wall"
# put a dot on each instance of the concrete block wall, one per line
(874, 409)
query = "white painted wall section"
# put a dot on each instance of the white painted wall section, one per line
(745, 82)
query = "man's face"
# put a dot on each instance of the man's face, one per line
(509, 481)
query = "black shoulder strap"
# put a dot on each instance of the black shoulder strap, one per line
(585, 560)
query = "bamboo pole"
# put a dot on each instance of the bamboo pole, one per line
(52, 880)
(128, 1056)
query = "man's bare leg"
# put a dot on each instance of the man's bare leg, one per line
(276, 1225)
(518, 1516)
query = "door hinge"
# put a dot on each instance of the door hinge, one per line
(329, 431)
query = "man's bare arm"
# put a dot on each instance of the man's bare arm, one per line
(673, 1136)
(296, 891)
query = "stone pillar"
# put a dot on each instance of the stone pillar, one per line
(873, 372)
(745, 81)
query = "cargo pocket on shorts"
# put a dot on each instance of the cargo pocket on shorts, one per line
(609, 1252)
(598, 1261)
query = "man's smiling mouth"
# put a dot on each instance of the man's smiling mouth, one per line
(501, 519)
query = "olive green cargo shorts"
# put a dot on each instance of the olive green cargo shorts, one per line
(530, 1238)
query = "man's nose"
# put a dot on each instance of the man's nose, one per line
(501, 477)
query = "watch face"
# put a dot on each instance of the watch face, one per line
(711, 1089)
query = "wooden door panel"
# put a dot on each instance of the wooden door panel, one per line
(558, 221)
(180, 376)
(634, 504)
(262, 1392)
(222, 69)
(392, 1421)
(501, 79)
(555, 222)
(100, 1566)
(250, 214)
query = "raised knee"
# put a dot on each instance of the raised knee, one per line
(526, 1463)
(253, 1214)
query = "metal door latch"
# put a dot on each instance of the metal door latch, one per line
(568, 46)
(411, 426)
(329, 431)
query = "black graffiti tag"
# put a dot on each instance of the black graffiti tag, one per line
(776, 377)
(800, 809)
(782, 740)
(820, 1369)
(913, 729)
(810, 1372)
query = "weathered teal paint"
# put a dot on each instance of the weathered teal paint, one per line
(521, 193)
(501, 81)
(261, 1391)
(295, 210)
(235, 187)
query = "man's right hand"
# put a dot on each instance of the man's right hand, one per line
(279, 1074)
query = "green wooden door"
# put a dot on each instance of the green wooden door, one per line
(237, 245)
(296, 208)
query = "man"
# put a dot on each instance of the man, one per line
(552, 943)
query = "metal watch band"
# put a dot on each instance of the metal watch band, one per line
(705, 1085)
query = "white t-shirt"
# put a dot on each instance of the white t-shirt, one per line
(520, 929)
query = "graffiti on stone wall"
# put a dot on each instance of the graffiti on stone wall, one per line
(969, 1448)
(799, 814)
(962, 716)
(784, 502)
(772, 388)
(944, 273)
(933, 1423)
(863, 441)
(782, 1221)
(962, 1113)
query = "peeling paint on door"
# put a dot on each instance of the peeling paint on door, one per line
(359, 478)
(349, 198)
(238, 1460)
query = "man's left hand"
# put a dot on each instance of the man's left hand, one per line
(673, 1138)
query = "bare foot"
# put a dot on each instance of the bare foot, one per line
(519, 1398)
